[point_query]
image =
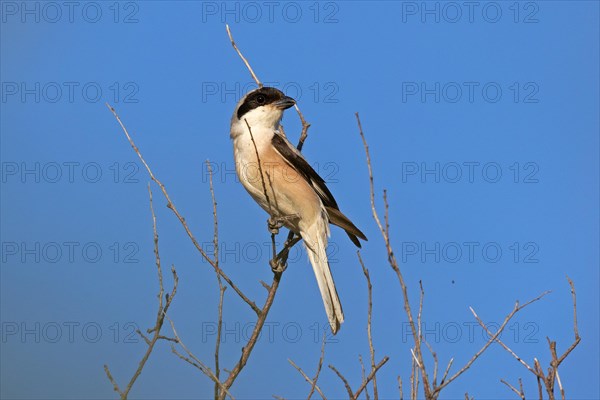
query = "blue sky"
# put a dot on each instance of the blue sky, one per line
(483, 126)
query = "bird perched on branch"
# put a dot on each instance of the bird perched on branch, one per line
(284, 184)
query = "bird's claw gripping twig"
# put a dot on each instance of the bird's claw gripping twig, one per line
(278, 265)
(276, 223)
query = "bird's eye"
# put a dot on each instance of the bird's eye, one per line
(260, 99)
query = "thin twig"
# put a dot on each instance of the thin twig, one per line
(260, 170)
(344, 380)
(276, 264)
(316, 378)
(514, 389)
(394, 264)
(221, 286)
(305, 126)
(365, 382)
(435, 362)
(521, 388)
(312, 382)
(575, 327)
(247, 349)
(414, 379)
(447, 370)
(370, 377)
(195, 361)
(400, 388)
(363, 375)
(112, 380)
(369, 325)
(560, 386)
(258, 82)
(539, 375)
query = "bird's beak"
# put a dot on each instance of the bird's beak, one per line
(285, 103)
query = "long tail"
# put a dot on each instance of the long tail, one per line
(315, 239)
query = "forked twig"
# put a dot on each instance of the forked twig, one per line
(491, 340)
(196, 362)
(520, 392)
(160, 317)
(548, 380)
(312, 381)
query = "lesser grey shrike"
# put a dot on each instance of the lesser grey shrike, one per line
(296, 196)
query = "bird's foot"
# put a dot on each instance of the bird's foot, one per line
(277, 265)
(276, 223)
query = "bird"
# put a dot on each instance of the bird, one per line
(282, 182)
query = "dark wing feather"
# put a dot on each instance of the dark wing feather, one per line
(293, 157)
(337, 218)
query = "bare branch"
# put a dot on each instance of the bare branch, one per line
(370, 168)
(260, 170)
(312, 382)
(195, 361)
(112, 380)
(435, 362)
(221, 286)
(540, 376)
(344, 380)
(521, 388)
(575, 328)
(321, 358)
(447, 370)
(370, 377)
(516, 309)
(363, 375)
(369, 325)
(414, 378)
(514, 389)
(394, 264)
(247, 349)
(400, 388)
(501, 343)
(560, 386)
(242, 57)
(305, 126)
(219, 332)
(365, 382)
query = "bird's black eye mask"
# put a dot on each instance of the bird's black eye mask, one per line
(260, 97)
